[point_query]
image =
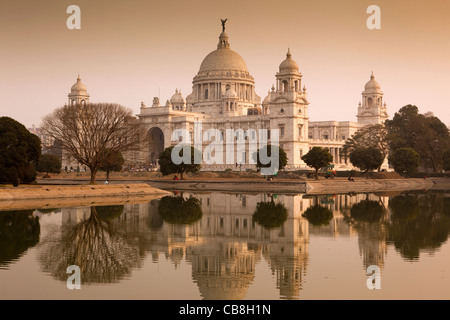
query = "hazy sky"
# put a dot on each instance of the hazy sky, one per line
(131, 51)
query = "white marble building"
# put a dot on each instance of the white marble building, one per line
(223, 97)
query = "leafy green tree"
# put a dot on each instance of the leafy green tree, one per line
(424, 133)
(374, 136)
(270, 214)
(111, 160)
(19, 152)
(177, 210)
(366, 159)
(405, 160)
(167, 166)
(317, 158)
(318, 215)
(267, 150)
(49, 163)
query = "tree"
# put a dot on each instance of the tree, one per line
(267, 150)
(317, 158)
(405, 160)
(86, 131)
(49, 163)
(366, 159)
(19, 152)
(167, 166)
(446, 160)
(374, 136)
(111, 161)
(424, 133)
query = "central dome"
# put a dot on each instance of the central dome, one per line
(223, 59)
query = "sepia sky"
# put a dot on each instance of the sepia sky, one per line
(131, 51)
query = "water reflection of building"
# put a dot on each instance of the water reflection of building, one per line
(225, 245)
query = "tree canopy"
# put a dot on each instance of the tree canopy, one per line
(405, 160)
(167, 166)
(111, 160)
(49, 163)
(19, 152)
(369, 136)
(366, 159)
(317, 158)
(267, 150)
(86, 131)
(424, 133)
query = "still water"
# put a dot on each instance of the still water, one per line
(232, 246)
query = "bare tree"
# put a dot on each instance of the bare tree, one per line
(91, 131)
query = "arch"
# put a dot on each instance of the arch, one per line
(206, 94)
(296, 85)
(156, 143)
(369, 102)
(250, 112)
(285, 86)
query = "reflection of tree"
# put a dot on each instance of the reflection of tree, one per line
(177, 210)
(366, 210)
(318, 215)
(418, 222)
(367, 216)
(270, 214)
(109, 212)
(102, 255)
(19, 230)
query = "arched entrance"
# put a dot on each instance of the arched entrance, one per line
(156, 144)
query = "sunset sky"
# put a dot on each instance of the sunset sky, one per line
(131, 51)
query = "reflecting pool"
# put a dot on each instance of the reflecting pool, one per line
(232, 246)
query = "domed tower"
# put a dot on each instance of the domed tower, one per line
(287, 107)
(372, 110)
(220, 69)
(177, 101)
(78, 93)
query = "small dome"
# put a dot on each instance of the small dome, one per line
(177, 97)
(267, 98)
(78, 87)
(288, 65)
(372, 85)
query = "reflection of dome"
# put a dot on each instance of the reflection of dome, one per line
(288, 65)
(78, 87)
(223, 273)
(372, 85)
(223, 59)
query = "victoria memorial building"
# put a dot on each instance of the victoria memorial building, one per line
(223, 97)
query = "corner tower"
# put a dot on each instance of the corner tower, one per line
(373, 109)
(78, 93)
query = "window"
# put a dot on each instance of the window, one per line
(221, 223)
(206, 94)
(325, 136)
(237, 223)
(301, 153)
(300, 131)
(282, 111)
(245, 223)
(281, 130)
(268, 134)
(343, 137)
(310, 136)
